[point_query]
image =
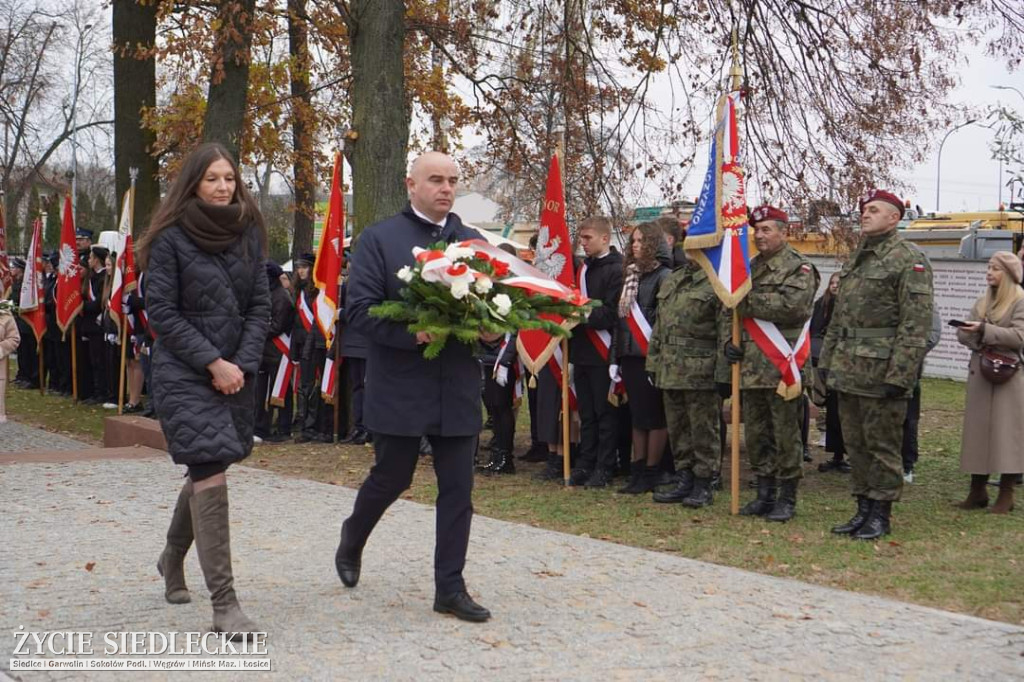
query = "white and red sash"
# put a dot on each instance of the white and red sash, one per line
(639, 327)
(600, 338)
(327, 381)
(285, 368)
(305, 312)
(555, 365)
(788, 360)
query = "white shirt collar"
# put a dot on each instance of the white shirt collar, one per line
(442, 223)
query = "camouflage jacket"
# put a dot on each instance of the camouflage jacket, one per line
(882, 318)
(783, 288)
(684, 346)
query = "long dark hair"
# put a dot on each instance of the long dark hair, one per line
(653, 237)
(183, 190)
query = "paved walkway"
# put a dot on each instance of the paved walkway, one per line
(15, 437)
(80, 540)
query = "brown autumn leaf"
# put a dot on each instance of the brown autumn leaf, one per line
(43, 614)
(89, 566)
(640, 604)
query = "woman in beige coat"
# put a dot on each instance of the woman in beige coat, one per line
(9, 340)
(994, 418)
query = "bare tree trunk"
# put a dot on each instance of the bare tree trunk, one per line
(229, 77)
(134, 32)
(380, 111)
(303, 127)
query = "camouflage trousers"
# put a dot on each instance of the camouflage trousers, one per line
(873, 434)
(771, 431)
(694, 430)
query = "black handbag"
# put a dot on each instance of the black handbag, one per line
(997, 367)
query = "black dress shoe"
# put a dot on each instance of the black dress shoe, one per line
(462, 606)
(348, 567)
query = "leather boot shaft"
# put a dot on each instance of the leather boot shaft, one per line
(171, 564)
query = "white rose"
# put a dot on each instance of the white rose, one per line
(405, 274)
(503, 304)
(460, 289)
(483, 285)
(454, 252)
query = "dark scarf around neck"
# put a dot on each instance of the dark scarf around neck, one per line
(214, 228)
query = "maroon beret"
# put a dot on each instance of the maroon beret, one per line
(766, 212)
(882, 195)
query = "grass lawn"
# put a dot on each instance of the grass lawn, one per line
(939, 556)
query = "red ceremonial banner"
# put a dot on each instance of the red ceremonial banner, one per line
(327, 269)
(553, 257)
(69, 272)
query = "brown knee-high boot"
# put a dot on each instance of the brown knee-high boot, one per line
(1004, 502)
(213, 544)
(978, 497)
(171, 564)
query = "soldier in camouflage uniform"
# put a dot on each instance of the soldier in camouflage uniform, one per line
(783, 286)
(681, 358)
(872, 351)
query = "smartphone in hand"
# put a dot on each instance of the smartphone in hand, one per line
(957, 323)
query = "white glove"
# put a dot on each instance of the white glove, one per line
(501, 376)
(614, 373)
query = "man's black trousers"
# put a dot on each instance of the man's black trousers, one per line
(391, 475)
(599, 421)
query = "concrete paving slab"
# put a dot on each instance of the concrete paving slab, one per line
(80, 541)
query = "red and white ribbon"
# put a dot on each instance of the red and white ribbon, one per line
(600, 338)
(305, 312)
(285, 368)
(788, 360)
(327, 381)
(639, 327)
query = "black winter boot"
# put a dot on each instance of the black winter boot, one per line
(552, 470)
(501, 463)
(636, 472)
(765, 498)
(877, 523)
(682, 490)
(857, 520)
(785, 505)
(701, 495)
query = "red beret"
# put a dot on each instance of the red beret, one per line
(882, 195)
(767, 212)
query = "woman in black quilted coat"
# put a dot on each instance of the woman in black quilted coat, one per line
(208, 305)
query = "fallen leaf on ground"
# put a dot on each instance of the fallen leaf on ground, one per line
(640, 604)
(91, 565)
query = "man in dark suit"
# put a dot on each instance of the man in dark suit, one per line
(408, 396)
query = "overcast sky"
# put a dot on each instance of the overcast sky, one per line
(970, 178)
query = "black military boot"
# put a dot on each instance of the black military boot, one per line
(857, 520)
(489, 464)
(501, 463)
(636, 472)
(785, 504)
(877, 523)
(682, 490)
(765, 501)
(552, 470)
(701, 495)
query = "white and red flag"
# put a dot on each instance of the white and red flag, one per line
(69, 272)
(327, 269)
(30, 306)
(124, 281)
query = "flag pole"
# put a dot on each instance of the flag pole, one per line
(566, 449)
(736, 83)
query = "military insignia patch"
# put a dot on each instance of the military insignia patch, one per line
(805, 268)
(918, 267)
